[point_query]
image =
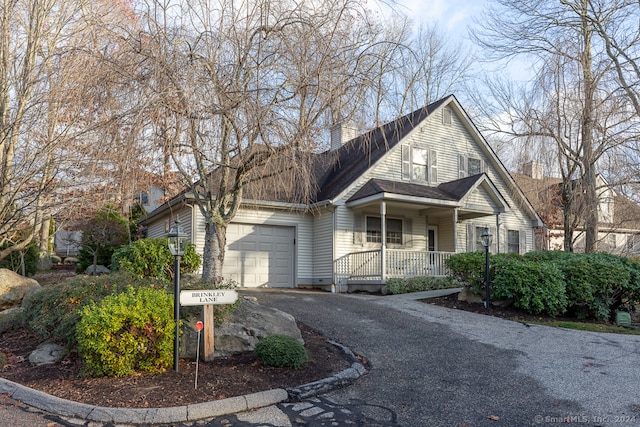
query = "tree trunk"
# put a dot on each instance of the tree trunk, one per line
(215, 242)
(589, 179)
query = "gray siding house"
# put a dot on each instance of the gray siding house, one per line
(393, 202)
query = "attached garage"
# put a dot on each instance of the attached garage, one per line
(260, 255)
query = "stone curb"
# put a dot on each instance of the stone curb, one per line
(341, 379)
(195, 412)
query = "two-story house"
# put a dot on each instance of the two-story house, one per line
(618, 217)
(392, 202)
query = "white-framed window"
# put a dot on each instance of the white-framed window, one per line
(419, 164)
(446, 116)
(469, 166)
(611, 240)
(393, 228)
(513, 241)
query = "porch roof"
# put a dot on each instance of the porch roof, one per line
(451, 194)
(379, 186)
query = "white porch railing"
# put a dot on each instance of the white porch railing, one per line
(367, 265)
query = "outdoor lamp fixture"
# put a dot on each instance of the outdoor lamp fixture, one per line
(178, 240)
(486, 238)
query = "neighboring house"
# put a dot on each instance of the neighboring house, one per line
(393, 202)
(152, 191)
(618, 217)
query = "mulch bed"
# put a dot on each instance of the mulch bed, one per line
(510, 313)
(222, 378)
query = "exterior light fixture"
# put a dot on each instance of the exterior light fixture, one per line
(486, 238)
(178, 241)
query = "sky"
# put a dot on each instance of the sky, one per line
(452, 16)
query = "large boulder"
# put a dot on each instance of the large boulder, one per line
(242, 330)
(14, 287)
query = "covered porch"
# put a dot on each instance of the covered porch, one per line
(404, 230)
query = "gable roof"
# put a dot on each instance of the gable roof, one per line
(338, 169)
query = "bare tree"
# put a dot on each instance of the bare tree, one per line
(240, 90)
(575, 105)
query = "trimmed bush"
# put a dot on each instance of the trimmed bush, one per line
(128, 332)
(418, 284)
(535, 287)
(54, 311)
(592, 282)
(152, 258)
(71, 260)
(467, 268)
(281, 351)
(55, 259)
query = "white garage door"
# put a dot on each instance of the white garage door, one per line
(259, 255)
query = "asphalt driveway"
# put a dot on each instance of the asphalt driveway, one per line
(431, 366)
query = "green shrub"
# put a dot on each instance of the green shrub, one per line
(128, 332)
(418, 284)
(152, 258)
(281, 351)
(467, 268)
(54, 311)
(71, 260)
(592, 282)
(55, 259)
(535, 287)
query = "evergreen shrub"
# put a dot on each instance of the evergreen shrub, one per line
(418, 284)
(127, 332)
(152, 258)
(535, 287)
(281, 351)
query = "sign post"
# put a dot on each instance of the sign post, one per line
(208, 298)
(198, 328)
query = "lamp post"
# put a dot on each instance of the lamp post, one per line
(486, 238)
(177, 240)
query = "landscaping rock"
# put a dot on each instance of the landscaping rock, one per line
(100, 269)
(46, 353)
(467, 295)
(242, 330)
(14, 287)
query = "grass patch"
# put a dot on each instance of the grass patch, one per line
(580, 326)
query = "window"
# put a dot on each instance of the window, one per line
(374, 230)
(513, 241)
(419, 164)
(469, 166)
(474, 166)
(611, 240)
(446, 116)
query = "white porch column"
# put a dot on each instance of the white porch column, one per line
(383, 249)
(455, 230)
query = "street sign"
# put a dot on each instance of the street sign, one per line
(208, 296)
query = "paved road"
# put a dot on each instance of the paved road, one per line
(431, 366)
(436, 367)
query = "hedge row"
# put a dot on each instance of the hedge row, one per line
(593, 285)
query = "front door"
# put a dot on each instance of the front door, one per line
(432, 238)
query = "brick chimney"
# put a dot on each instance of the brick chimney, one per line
(532, 170)
(342, 133)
